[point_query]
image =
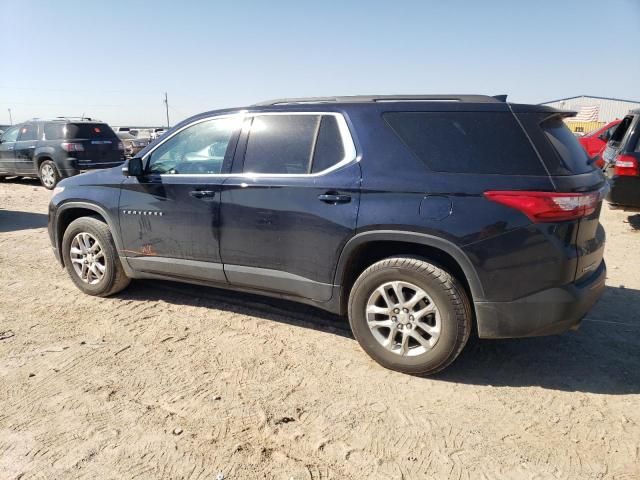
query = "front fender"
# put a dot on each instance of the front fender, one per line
(112, 221)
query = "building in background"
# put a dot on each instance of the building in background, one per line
(593, 112)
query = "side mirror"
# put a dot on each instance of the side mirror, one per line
(133, 168)
(606, 136)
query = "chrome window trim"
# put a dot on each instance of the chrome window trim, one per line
(348, 146)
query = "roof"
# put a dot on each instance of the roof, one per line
(591, 96)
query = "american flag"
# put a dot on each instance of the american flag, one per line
(587, 113)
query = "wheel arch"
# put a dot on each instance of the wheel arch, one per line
(366, 248)
(41, 157)
(70, 211)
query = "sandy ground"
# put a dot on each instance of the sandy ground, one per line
(177, 381)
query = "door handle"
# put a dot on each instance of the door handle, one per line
(334, 198)
(202, 193)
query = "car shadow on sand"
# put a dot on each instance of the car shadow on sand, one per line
(603, 356)
(12, 220)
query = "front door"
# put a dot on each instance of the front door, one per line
(169, 217)
(291, 204)
(25, 148)
(7, 150)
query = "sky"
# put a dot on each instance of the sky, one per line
(114, 60)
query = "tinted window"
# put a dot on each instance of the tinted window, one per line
(88, 130)
(54, 131)
(572, 156)
(467, 142)
(623, 126)
(11, 135)
(281, 144)
(28, 132)
(200, 148)
(329, 148)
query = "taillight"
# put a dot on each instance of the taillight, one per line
(547, 206)
(626, 166)
(72, 147)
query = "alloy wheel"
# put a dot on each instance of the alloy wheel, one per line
(403, 318)
(48, 175)
(87, 258)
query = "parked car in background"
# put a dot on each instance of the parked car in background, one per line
(55, 149)
(594, 142)
(158, 132)
(622, 162)
(132, 144)
(420, 218)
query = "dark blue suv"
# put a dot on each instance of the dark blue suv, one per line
(419, 217)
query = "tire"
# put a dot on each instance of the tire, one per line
(443, 331)
(48, 174)
(113, 278)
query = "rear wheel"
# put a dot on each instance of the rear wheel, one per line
(91, 258)
(410, 315)
(48, 173)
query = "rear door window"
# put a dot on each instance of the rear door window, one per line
(467, 142)
(294, 144)
(28, 132)
(281, 144)
(54, 131)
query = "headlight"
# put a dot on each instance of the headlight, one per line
(58, 190)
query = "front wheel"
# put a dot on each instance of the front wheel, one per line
(91, 258)
(48, 173)
(410, 315)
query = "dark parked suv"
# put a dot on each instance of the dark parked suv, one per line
(54, 149)
(418, 217)
(622, 162)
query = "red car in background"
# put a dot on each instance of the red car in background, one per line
(594, 142)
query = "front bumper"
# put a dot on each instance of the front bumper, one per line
(625, 191)
(548, 312)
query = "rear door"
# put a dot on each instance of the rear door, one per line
(7, 147)
(291, 205)
(25, 147)
(616, 142)
(571, 170)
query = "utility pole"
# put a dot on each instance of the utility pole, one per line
(166, 106)
(10, 119)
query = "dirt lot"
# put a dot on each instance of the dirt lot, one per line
(175, 381)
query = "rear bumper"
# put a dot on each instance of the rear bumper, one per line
(72, 166)
(625, 191)
(548, 312)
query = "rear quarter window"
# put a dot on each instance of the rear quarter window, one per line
(467, 142)
(571, 154)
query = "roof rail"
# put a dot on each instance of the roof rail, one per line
(381, 98)
(83, 118)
